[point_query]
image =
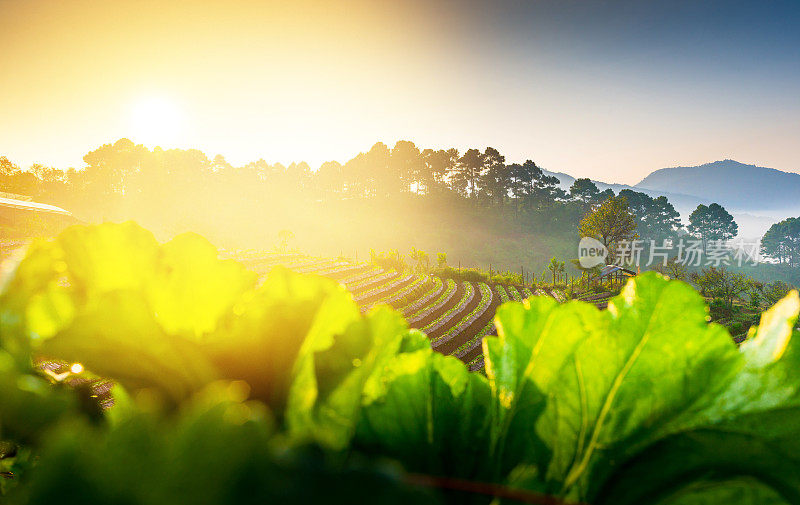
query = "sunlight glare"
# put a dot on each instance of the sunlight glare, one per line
(155, 121)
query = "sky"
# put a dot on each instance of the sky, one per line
(604, 89)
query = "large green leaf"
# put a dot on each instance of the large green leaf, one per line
(615, 380)
(751, 431)
(535, 338)
(327, 391)
(191, 289)
(430, 413)
(108, 257)
(118, 337)
(289, 315)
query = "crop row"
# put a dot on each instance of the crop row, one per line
(340, 269)
(383, 288)
(476, 364)
(440, 302)
(559, 295)
(512, 291)
(395, 296)
(475, 341)
(444, 318)
(486, 300)
(360, 276)
(501, 290)
(594, 297)
(321, 266)
(353, 287)
(422, 301)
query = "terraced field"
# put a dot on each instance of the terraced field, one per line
(455, 315)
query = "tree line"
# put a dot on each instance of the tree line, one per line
(135, 179)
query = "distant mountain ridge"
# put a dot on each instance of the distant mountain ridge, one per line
(734, 185)
(756, 196)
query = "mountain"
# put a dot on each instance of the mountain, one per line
(684, 204)
(736, 186)
(755, 196)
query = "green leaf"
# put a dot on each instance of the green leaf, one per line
(288, 316)
(118, 337)
(326, 395)
(108, 257)
(749, 431)
(535, 338)
(654, 363)
(192, 289)
(768, 341)
(29, 404)
(430, 413)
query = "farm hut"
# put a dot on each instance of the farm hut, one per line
(615, 274)
(28, 218)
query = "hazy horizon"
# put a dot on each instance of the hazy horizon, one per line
(608, 90)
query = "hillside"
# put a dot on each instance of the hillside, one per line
(684, 203)
(756, 196)
(735, 185)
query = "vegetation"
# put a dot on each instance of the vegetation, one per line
(712, 222)
(722, 283)
(782, 242)
(610, 223)
(231, 392)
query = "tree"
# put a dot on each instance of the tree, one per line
(656, 218)
(584, 191)
(611, 223)
(712, 223)
(330, 178)
(421, 260)
(782, 241)
(436, 165)
(555, 267)
(530, 185)
(722, 283)
(467, 173)
(406, 161)
(495, 184)
(663, 222)
(6, 167)
(673, 269)
(386, 177)
(775, 291)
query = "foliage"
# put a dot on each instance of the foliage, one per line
(782, 241)
(507, 278)
(774, 291)
(420, 259)
(230, 392)
(656, 218)
(712, 222)
(611, 223)
(387, 260)
(462, 274)
(673, 269)
(556, 268)
(584, 191)
(722, 283)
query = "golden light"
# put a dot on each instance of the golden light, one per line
(76, 368)
(155, 121)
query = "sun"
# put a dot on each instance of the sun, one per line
(155, 121)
